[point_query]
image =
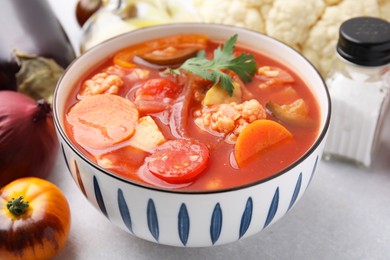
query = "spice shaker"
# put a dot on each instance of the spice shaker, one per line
(359, 86)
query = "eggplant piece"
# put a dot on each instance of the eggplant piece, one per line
(294, 114)
(165, 58)
(30, 27)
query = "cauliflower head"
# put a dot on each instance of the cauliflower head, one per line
(282, 22)
(243, 13)
(320, 45)
(310, 26)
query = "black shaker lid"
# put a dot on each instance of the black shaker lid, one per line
(365, 41)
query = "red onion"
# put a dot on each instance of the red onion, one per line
(28, 143)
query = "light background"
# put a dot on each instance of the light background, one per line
(345, 213)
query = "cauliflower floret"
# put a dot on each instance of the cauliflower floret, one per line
(223, 120)
(320, 46)
(251, 110)
(222, 124)
(229, 119)
(101, 83)
(245, 13)
(282, 22)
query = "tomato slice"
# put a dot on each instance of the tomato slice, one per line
(160, 88)
(156, 95)
(179, 161)
(125, 57)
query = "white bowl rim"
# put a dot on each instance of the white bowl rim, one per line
(314, 146)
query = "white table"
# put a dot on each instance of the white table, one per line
(345, 213)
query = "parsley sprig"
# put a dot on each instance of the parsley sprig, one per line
(244, 65)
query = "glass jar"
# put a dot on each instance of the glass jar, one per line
(119, 16)
(359, 85)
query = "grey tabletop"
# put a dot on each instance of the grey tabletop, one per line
(344, 214)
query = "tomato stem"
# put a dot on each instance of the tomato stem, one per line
(17, 206)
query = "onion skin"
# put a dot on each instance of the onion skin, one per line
(39, 230)
(28, 141)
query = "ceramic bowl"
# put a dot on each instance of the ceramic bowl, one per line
(182, 218)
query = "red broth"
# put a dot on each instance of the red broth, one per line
(221, 170)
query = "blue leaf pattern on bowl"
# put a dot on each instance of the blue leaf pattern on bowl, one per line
(296, 191)
(99, 197)
(66, 158)
(216, 223)
(79, 180)
(124, 210)
(183, 224)
(78, 176)
(152, 220)
(246, 217)
(313, 171)
(273, 208)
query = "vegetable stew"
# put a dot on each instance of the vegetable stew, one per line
(192, 113)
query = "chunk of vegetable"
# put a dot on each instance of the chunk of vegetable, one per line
(101, 121)
(257, 137)
(179, 161)
(169, 56)
(284, 95)
(159, 88)
(295, 113)
(125, 58)
(156, 95)
(217, 95)
(101, 83)
(273, 76)
(125, 160)
(147, 135)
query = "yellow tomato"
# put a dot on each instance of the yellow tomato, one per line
(34, 219)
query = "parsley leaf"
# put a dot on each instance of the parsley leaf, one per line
(244, 65)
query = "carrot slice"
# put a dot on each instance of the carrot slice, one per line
(103, 120)
(258, 136)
